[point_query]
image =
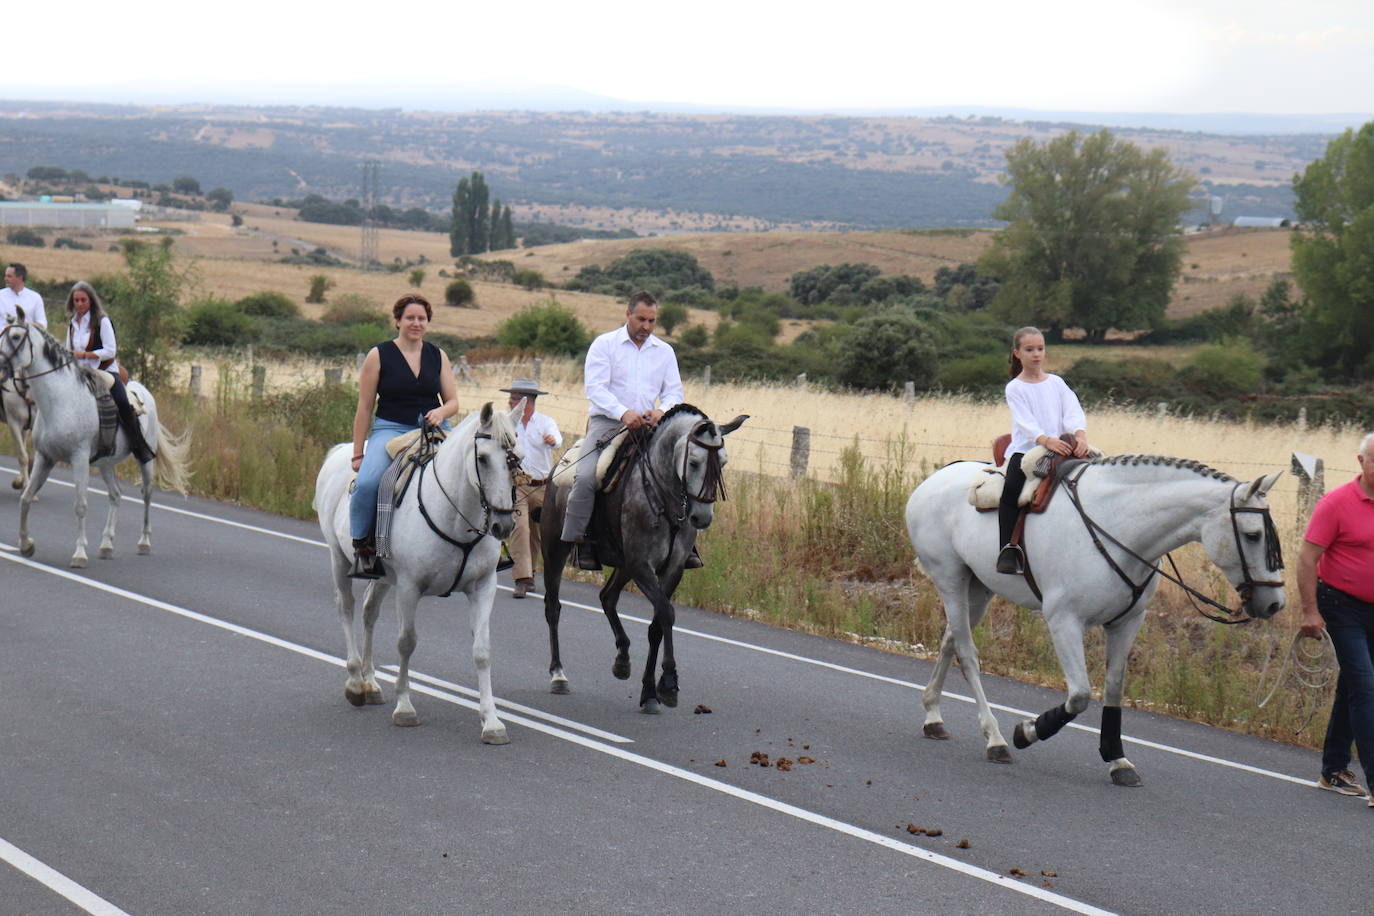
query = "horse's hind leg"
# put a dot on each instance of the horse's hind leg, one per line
(934, 726)
(1119, 640)
(42, 467)
(81, 475)
(372, 608)
(610, 600)
(21, 453)
(107, 536)
(1067, 633)
(555, 551)
(145, 541)
(961, 613)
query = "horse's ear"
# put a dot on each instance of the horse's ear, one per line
(1260, 485)
(734, 424)
(19, 314)
(518, 410)
(485, 417)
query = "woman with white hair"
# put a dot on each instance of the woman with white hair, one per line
(91, 338)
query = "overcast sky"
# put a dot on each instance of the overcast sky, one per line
(1263, 56)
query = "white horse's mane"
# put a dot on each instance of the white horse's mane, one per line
(1186, 464)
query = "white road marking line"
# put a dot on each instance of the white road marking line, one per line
(818, 663)
(707, 782)
(514, 707)
(55, 881)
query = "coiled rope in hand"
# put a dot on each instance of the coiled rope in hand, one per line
(1308, 662)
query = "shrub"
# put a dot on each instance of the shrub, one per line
(218, 323)
(319, 285)
(887, 349)
(26, 237)
(670, 315)
(548, 328)
(529, 279)
(73, 244)
(975, 374)
(1229, 368)
(268, 305)
(459, 294)
(417, 277)
(354, 308)
(1143, 380)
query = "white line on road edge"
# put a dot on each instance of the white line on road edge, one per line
(755, 798)
(56, 881)
(815, 662)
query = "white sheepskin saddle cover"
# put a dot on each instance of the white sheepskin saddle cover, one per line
(986, 490)
(569, 466)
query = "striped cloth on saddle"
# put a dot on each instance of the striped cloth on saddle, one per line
(108, 412)
(408, 452)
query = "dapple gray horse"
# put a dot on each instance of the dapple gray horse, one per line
(446, 536)
(18, 415)
(662, 501)
(67, 427)
(1138, 508)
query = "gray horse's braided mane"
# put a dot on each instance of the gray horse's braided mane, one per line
(1186, 464)
(683, 408)
(57, 354)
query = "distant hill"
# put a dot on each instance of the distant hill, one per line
(649, 172)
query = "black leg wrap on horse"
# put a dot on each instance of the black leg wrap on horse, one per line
(1110, 745)
(1050, 721)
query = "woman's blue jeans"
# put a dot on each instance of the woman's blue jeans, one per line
(1350, 623)
(362, 509)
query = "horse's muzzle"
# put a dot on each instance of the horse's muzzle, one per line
(502, 524)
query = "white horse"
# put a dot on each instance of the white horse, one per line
(18, 414)
(1094, 554)
(67, 427)
(445, 536)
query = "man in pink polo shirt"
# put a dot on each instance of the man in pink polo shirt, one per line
(1336, 583)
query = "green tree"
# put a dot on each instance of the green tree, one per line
(220, 198)
(186, 185)
(1093, 239)
(417, 277)
(471, 229)
(507, 228)
(887, 349)
(459, 293)
(145, 303)
(1333, 253)
(670, 315)
(268, 305)
(217, 323)
(549, 328)
(319, 285)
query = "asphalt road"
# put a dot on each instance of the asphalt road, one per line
(174, 739)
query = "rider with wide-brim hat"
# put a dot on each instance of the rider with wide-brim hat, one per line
(538, 435)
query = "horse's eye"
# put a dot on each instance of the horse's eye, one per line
(694, 464)
(1252, 536)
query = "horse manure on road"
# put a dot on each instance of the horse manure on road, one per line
(701, 710)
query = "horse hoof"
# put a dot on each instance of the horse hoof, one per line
(17, 484)
(1024, 735)
(998, 753)
(650, 708)
(145, 549)
(1126, 776)
(404, 719)
(495, 736)
(26, 550)
(621, 669)
(560, 687)
(355, 697)
(78, 563)
(935, 730)
(373, 697)
(668, 698)
(106, 553)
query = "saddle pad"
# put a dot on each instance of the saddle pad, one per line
(570, 465)
(108, 412)
(985, 492)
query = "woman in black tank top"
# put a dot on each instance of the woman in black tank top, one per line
(409, 382)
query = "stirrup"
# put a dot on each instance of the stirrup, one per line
(1011, 560)
(586, 557)
(503, 560)
(366, 563)
(693, 560)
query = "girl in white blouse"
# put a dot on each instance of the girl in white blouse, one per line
(91, 338)
(1043, 408)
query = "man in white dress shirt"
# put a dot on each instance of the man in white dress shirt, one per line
(537, 435)
(16, 295)
(627, 371)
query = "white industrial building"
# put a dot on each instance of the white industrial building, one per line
(41, 214)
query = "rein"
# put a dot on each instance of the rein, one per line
(427, 454)
(8, 360)
(1273, 558)
(712, 484)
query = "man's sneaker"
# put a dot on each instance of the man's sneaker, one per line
(1371, 801)
(1342, 782)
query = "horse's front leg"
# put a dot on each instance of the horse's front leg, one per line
(1120, 637)
(81, 475)
(1067, 632)
(42, 467)
(555, 554)
(21, 452)
(406, 599)
(660, 631)
(373, 597)
(107, 474)
(480, 599)
(610, 601)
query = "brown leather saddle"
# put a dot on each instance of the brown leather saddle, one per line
(1049, 469)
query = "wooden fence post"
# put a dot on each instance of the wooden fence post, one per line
(538, 368)
(1311, 474)
(195, 381)
(908, 393)
(706, 379)
(359, 367)
(801, 379)
(801, 450)
(259, 380)
(333, 377)
(464, 370)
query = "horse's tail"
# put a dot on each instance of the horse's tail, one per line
(173, 463)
